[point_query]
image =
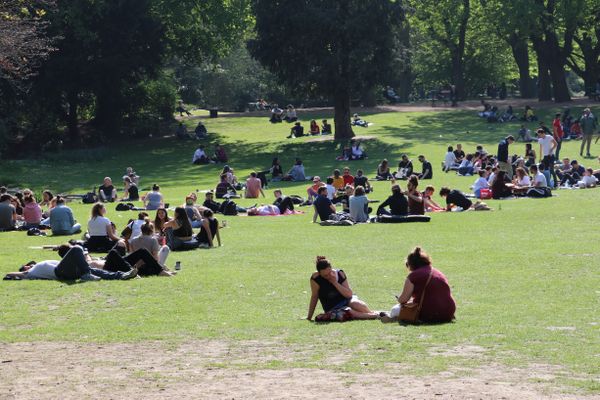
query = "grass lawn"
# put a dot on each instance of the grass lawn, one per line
(525, 276)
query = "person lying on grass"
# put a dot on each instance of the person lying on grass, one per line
(438, 303)
(330, 286)
(76, 264)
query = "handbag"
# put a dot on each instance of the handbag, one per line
(409, 312)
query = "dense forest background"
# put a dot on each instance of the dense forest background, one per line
(79, 73)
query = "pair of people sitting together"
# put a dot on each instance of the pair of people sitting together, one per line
(425, 285)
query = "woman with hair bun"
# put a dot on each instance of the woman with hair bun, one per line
(438, 304)
(330, 287)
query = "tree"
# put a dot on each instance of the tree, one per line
(511, 21)
(336, 48)
(552, 39)
(446, 21)
(23, 39)
(587, 51)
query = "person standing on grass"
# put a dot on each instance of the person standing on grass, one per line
(330, 287)
(588, 125)
(438, 304)
(558, 134)
(502, 156)
(547, 147)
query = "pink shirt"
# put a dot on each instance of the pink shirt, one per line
(253, 186)
(32, 213)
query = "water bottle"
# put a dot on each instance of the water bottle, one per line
(178, 266)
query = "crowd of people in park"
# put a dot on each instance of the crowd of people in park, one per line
(141, 247)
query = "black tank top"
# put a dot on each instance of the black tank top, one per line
(183, 231)
(328, 294)
(202, 236)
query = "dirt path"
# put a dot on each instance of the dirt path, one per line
(238, 370)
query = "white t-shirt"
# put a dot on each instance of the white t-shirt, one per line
(546, 143)
(466, 163)
(43, 270)
(587, 181)
(540, 178)
(330, 191)
(97, 226)
(450, 159)
(198, 154)
(480, 183)
(525, 181)
(490, 178)
(136, 228)
(357, 151)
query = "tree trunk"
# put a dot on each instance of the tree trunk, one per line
(520, 52)
(73, 120)
(343, 129)
(544, 88)
(556, 65)
(458, 76)
(559, 80)
(108, 111)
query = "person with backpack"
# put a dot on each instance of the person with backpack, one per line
(210, 203)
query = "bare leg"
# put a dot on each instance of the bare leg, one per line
(360, 310)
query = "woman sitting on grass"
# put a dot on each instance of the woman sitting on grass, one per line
(209, 230)
(314, 128)
(162, 217)
(521, 182)
(416, 205)
(330, 287)
(154, 199)
(179, 231)
(438, 304)
(383, 171)
(101, 232)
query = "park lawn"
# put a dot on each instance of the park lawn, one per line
(524, 276)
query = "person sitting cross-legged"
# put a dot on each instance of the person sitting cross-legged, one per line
(61, 219)
(397, 203)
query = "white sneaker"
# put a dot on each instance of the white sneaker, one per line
(90, 277)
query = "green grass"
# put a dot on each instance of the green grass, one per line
(525, 277)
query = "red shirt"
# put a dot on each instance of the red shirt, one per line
(558, 130)
(438, 304)
(348, 179)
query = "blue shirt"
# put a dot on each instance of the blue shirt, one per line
(61, 219)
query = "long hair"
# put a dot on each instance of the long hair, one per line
(96, 210)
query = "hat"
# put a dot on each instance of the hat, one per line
(316, 179)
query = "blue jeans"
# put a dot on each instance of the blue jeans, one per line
(74, 229)
(176, 243)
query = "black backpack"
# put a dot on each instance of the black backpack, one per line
(90, 197)
(229, 207)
